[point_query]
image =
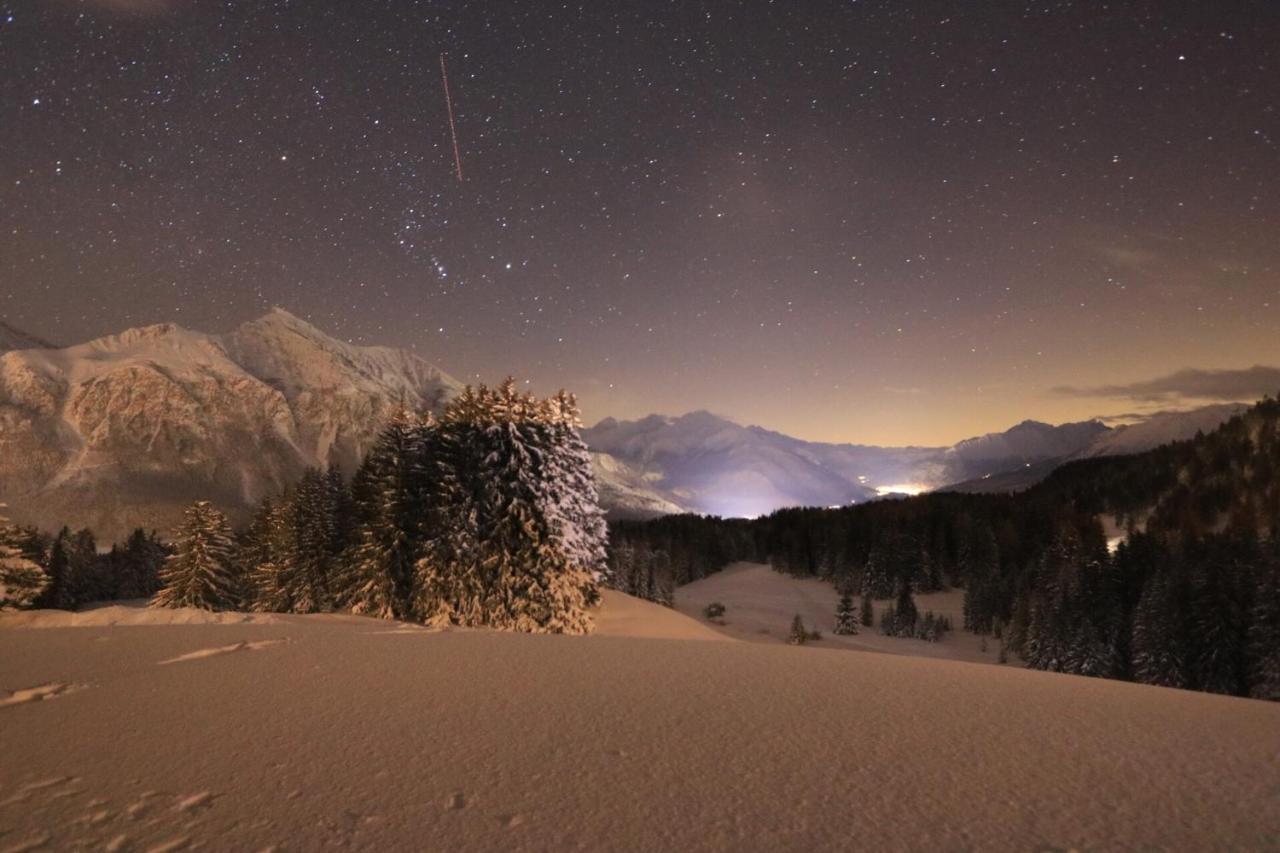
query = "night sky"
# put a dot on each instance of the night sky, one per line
(887, 222)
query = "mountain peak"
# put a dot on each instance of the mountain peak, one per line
(280, 318)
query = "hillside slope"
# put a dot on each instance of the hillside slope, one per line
(760, 603)
(319, 732)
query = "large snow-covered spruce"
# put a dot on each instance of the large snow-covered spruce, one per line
(202, 572)
(518, 539)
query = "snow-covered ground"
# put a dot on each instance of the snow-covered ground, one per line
(760, 603)
(335, 731)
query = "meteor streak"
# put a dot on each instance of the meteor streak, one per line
(453, 130)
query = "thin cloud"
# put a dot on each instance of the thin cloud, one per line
(1247, 384)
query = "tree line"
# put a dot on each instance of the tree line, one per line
(1190, 596)
(66, 570)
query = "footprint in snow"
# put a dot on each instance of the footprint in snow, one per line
(39, 693)
(242, 646)
(193, 802)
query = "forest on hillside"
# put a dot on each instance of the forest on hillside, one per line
(1190, 598)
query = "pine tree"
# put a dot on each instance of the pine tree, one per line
(888, 621)
(1157, 654)
(383, 569)
(905, 612)
(202, 571)
(497, 555)
(877, 575)
(798, 636)
(1264, 634)
(265, 545)
(572, 501)
(979, 564)
(22, 581)
(868, 613)
(94, 580)
(61, 593)
(138, 565)
(306, 559)
(846, 620)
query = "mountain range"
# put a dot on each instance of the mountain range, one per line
(125, 430)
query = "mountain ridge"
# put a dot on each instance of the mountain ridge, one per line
(125, 429)
(13, 338)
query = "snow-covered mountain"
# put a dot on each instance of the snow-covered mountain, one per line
(12, 338)
(710, 464)
(1162, 428)
(627, 493)
(1153, 431)
(126, 429)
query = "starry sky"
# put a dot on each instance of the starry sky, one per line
(887, 222)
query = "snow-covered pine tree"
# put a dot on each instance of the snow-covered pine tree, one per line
(496, 555)
(625, 571)
(877, 576)
(662, 583)
(380, 580)
(979, 564)
(22, 581)
(202, 571)
(1157, 655)
(573, 503)
(846, 620)
(905, 614)
(344, 527)
(307, 555)
(449, 587)
(264, 557)
(1264, 632)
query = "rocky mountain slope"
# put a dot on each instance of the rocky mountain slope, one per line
(125, 429)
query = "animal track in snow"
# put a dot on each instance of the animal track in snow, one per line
(242, 646)
(39, 693)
